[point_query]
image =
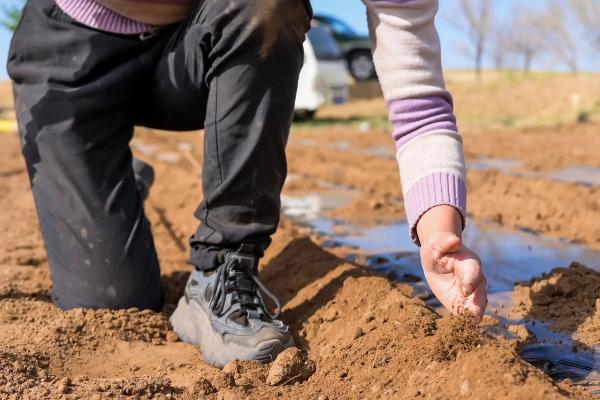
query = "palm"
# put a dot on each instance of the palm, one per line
(455, 277)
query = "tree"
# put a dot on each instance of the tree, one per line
(501, 45)
(558, 29)
(529, 34)
(11, 18)
(476, 23)
(544, 33)
(587, 13)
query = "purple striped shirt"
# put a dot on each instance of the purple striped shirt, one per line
(97, 16)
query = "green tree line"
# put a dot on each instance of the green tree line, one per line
(11, 16)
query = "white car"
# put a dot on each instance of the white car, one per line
(324, 78)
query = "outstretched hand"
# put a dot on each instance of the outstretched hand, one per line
(452, 270)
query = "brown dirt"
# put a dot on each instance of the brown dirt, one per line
(557, 209)
(540, 149)
(366, 337)
(567, 298)
(553, 208)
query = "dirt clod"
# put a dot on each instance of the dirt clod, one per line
(202, 387)
(291, 366)
(520, 330)
(247, 373)
(172, 337)
(567, 298)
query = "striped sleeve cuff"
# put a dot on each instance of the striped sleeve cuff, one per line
(440, 188)
(432, 171)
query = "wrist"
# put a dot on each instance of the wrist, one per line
(441, 218)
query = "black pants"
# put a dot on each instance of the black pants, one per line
(231, 68)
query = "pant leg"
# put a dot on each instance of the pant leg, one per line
(240, 60)
(74, 89)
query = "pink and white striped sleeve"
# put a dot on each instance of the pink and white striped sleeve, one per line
(406, 51)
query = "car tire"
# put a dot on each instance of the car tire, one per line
(361, 65)
(304, 115)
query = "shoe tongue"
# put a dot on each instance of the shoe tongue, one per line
(239, 317)
(245, 263)
(241, 272)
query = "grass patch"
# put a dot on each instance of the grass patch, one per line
(352, 122)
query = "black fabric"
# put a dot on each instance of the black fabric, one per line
(79, 93)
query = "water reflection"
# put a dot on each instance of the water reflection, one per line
(509, 256)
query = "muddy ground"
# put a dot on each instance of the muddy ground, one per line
(366, 335)
(560, 209)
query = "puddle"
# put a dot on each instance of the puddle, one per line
(385, 152)
(583, 175)
(509, 256)
(499, 164)
(310, 206)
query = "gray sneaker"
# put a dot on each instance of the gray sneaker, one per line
(223, 312)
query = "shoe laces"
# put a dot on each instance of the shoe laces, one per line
(238, 276)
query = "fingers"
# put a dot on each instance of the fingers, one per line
(440, 245)
(473, 285)
(443, 243)
(477, 302)
(469, 274)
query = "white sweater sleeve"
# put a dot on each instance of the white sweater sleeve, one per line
(407, 55)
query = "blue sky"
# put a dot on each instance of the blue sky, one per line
(353, 12)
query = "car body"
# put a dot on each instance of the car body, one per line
(356, 47)
(324, 77)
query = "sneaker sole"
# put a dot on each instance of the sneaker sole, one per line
(192, 325)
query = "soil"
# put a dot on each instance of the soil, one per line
(565, 210)
(359, 336)
(567, 298)
(366, 337)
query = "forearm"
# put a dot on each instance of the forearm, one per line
(429, 148)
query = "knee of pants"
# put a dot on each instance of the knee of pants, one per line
(281, 21)
(272, 22)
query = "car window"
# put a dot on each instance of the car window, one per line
(341, 28)
(324, 45)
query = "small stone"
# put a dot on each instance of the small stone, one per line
(172, 337)
(63, 388)
(368, 316)
(225, 380)
(464, 388)
(203, 387)
(291, 366)
(376, 204)
(227, 395)
(520, 330)
(358, 333)
(323, 397)
(508, 378)
(330, 315)
(232, 368)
